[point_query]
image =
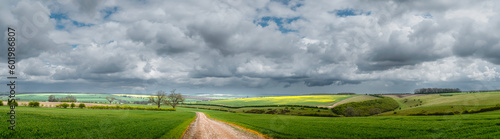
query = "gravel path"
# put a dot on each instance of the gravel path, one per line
(206, 128)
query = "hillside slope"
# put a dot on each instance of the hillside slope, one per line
(448, 102)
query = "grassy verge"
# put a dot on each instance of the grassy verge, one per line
(88, 123)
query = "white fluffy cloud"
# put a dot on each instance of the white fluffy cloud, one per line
(289, 46)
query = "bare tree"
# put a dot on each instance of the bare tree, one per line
(110, 99)
(52, 98)
(174, 99)
(158, 98)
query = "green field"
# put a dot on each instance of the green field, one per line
(484, 125)
(448, 102)
(310, 100)
(358, 99)
(89, 123)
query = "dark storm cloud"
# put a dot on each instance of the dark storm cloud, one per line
(325, 82)
(481, 42)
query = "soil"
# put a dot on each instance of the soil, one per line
(206, 128)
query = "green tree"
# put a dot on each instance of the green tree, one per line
(1, 103)
(73, 105)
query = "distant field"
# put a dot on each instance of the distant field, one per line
(82, 97)
(357, 99)
(311, 100)
(484, 125)
(89, 123)
(447, 102)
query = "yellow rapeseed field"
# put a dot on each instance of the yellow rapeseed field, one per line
(312, 100)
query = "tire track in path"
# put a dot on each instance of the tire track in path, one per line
(206, 128)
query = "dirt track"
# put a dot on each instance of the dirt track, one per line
(206, 128)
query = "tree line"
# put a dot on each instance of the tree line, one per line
(68, 98)
(436, 90)
(173, 99)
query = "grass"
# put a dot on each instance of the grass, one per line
(484, 125)
(311, 100)
(88, 123)
(449, 102)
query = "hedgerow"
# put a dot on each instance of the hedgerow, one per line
(117, 107)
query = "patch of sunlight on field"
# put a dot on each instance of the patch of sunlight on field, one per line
(131, 95)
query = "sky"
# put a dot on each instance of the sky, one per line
(257, 47)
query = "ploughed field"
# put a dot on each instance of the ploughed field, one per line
(90, 123)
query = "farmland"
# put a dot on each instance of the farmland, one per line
(357, 99)
(93, 123)
(310, 100)
(484, 125)
(449, 102)
(89, 123)
(85, 97)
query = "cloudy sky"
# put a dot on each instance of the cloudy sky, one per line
(253, 46)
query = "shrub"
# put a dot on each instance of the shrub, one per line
(259, 111)
(366, 108)
(64, 105)
(34, 104)
(319, 114)
(10, 103)
(130, 108)
(73, 105)
(1, 103)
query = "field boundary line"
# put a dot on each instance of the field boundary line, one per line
(244, 128)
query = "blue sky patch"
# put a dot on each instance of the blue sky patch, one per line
(287, 3)
(427, 15)
(58, 16)
(109, 11)
(284, 2)
(264, 21)
(349, 12)
(60, 25)
(74, 45)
